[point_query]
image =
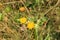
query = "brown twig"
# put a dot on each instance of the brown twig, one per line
(11, 2)
(52, 7)
(18, 2)
(25, 8)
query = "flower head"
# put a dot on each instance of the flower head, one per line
(23, 20)
(30, 25)
(22, 9)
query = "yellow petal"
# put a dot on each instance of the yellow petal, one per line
(30, 25)
(23, 20)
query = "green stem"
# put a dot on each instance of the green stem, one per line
(36, 33)
(36, 30)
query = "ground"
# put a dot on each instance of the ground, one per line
(29, 19)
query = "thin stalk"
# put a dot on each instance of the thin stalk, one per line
(36, 30)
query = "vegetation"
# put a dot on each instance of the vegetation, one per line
(29, 19)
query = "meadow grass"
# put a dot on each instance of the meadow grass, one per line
(29, 20)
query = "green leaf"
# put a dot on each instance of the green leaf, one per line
(37, 1)
(7, 9)
(0, 16)
(47, 37)
(31, 18)
(42, 20)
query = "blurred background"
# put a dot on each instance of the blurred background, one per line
(29, 19)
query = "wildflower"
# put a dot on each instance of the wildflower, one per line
(23, 20)
(22, 9)
(30, 25)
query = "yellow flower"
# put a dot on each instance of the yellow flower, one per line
(30, 25)
(23, 20)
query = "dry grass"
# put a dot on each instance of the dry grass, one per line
(36, 11)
